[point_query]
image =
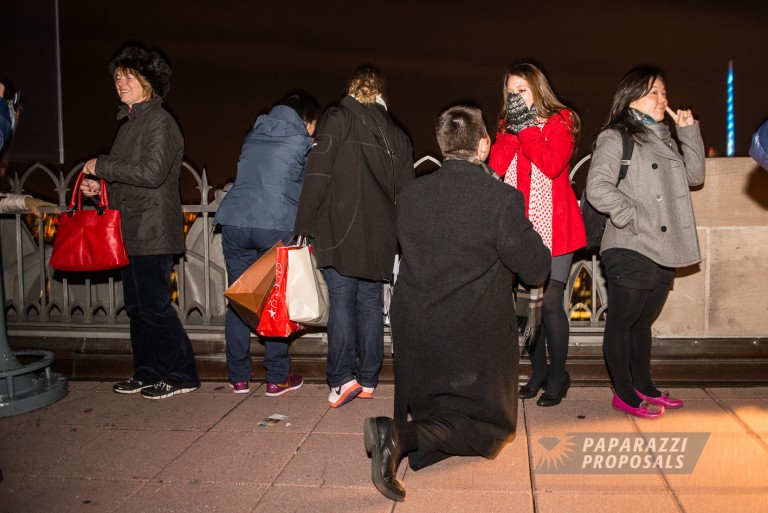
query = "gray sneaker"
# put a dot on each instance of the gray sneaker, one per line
(132, 386)
(163, 390)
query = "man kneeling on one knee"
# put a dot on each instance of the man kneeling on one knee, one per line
(464, 235)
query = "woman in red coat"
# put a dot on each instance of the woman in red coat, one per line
(537, 135)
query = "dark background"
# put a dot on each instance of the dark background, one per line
(233, 60)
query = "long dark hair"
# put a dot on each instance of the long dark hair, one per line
(544, 98)
(635, 84)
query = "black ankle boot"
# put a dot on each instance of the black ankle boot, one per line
(382, 442)
(554, 400)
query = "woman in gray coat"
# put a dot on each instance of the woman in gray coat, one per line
(652, 230)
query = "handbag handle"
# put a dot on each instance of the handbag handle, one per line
(77, 195)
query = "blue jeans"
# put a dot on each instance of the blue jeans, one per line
(242, 247)
(355, 330)
(160, 345)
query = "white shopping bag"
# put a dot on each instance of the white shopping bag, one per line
(306, 292)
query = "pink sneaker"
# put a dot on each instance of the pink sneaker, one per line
(241, 387)
(292, 382)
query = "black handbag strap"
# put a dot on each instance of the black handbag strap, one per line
(628, 146)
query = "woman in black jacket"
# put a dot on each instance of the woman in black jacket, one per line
(354, 174)
(142, 174)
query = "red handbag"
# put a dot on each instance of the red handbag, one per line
(275, 321)
(88, 240)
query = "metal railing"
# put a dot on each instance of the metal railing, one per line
(36, 294)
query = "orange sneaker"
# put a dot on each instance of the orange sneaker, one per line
(367, 393)
(340, 396)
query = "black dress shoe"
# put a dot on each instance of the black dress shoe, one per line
(529, 391)
(554, 400)
(382, 442)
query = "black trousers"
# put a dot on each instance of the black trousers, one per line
(439, 439)
(161, 348)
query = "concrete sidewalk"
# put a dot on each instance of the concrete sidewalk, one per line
(96, 451)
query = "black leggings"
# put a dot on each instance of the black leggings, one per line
(553, 339)
(627, 339)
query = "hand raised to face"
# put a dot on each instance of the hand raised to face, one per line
(683, 117)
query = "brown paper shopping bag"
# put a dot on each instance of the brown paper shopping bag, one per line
(250, 292)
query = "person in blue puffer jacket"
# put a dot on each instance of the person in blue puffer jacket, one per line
(258, 211)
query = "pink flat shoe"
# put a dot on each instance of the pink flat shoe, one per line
(665, 401)
(645, 411)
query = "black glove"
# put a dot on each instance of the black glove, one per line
(520, 117)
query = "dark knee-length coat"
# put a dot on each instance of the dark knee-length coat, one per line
(463, 235)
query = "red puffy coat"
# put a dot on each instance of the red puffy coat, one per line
(549, 148)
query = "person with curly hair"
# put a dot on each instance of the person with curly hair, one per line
(354, 175)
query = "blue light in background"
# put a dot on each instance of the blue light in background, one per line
(731, 137)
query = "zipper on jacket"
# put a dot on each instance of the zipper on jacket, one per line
(390, 153)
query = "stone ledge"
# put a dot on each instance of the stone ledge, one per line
(676, 361)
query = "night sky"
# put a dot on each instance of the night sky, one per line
(232, 60)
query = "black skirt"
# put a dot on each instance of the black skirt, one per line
(631, 269)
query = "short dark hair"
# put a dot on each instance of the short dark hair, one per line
(304, 105)
(459, 130)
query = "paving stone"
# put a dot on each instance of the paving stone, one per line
(350, 417)
(738, 392)
(32, 448)
(194, 497)
(243, 457)
(331, 460)
(725, 501)
(62, 495)
(326, 499)
(609, 501)
(509, 472)
(434, 501)
(303, 412)
(124, 454)
(188, 412)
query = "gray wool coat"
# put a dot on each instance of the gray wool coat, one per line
(651, 210)
(463, 236)
(142, 171)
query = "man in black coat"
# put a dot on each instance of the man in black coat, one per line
(464, 236)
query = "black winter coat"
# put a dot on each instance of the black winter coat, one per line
(142, 171)
(463, 235)
(354, 175)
